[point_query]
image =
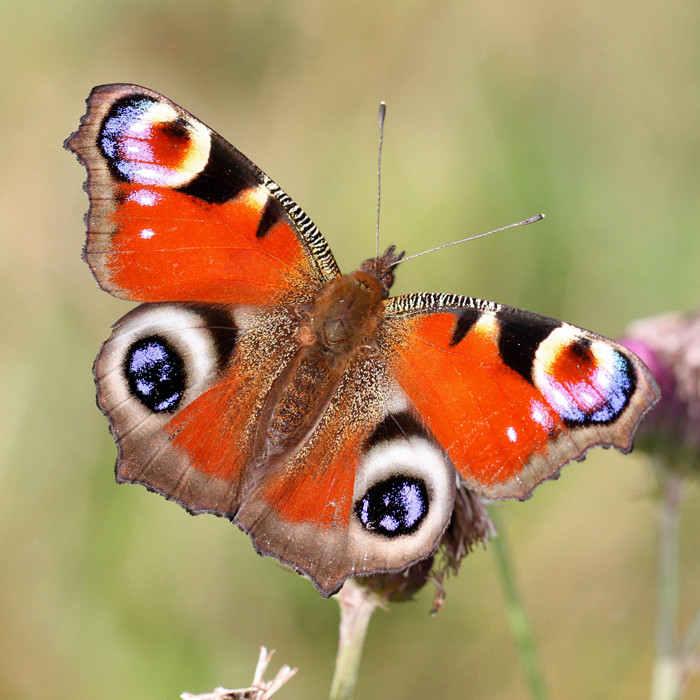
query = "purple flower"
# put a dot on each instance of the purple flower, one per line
(670, 346)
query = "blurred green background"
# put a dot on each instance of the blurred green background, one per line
(588, 111)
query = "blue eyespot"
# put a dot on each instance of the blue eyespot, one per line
(393, 507)
(156, 374)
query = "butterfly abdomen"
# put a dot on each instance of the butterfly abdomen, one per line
(296, 403)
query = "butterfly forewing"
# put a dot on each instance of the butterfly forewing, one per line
(178, 214)
(511, 395)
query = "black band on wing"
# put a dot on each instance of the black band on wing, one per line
(219, 323)
(519, 341)
(222, 179)
(395, 425)
(272, 213)
(466, 318)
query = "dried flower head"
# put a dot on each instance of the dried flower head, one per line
(670, 346)
(260, 688)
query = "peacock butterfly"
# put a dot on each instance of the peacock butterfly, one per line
(329, 421)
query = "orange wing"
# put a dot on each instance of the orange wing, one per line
(512, 396)
(178, 214)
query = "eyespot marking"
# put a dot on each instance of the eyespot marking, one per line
(393, 507)
(155, 373)
(586, 381)
(147, 142)
(404, 492)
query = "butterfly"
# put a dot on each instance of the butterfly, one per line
(329, 421)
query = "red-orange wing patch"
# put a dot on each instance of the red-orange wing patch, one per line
(512, 396)
(177, 213)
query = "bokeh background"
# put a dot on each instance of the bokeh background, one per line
(497, 109)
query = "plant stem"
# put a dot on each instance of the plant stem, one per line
(356, 608)
(667, 678)
(516, 612)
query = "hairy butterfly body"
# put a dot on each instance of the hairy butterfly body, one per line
(330, 422)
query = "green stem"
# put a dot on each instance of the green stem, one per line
(667, 678)
(516, 612)
(356, 608)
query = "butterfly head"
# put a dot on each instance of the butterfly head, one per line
(383, 266)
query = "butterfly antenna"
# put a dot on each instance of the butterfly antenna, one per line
(382, 115)
(531, 220)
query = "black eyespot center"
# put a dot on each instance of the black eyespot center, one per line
(155, 372)
(394, 506)
(178, 129)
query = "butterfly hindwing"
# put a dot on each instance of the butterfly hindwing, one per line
(512, 396)
(183, 386)
(371, 490)
(178, 214)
